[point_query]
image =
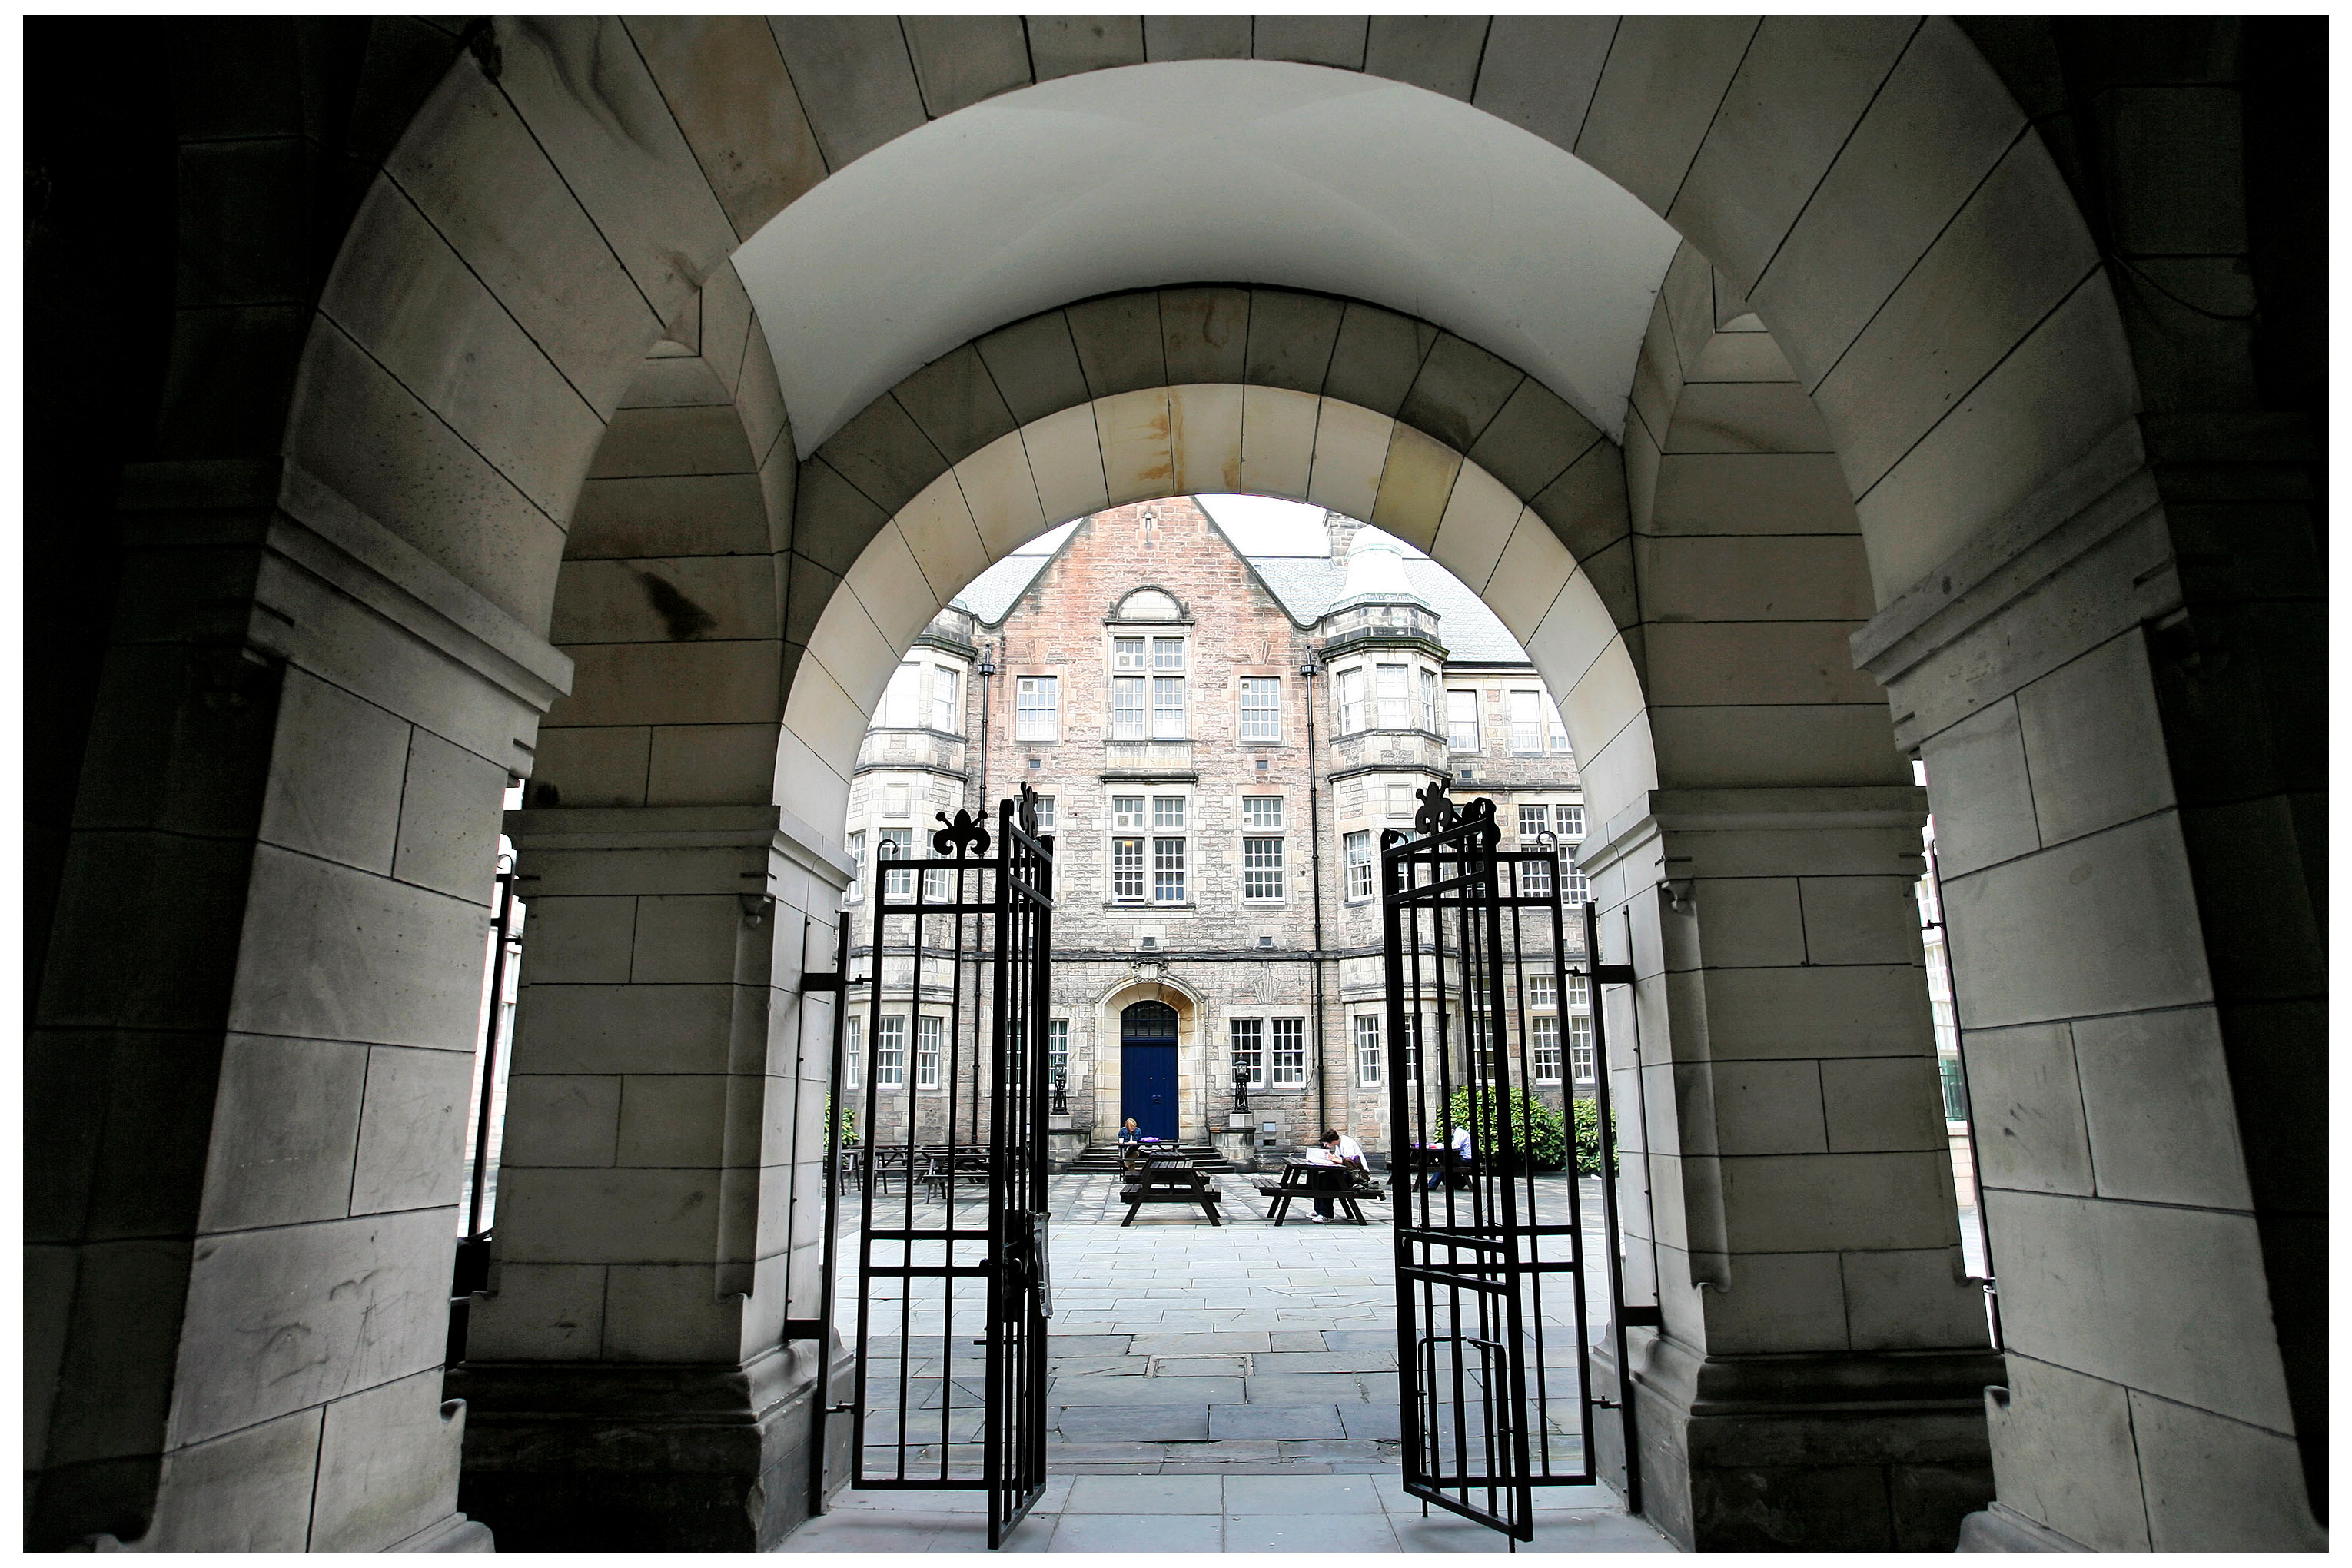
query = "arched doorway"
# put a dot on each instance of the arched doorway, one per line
(1147, 1068)
(447, 419)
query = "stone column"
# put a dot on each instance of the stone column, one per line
(246, 1087)
(2116, 693)
(1818, 1377)
(638, 1369)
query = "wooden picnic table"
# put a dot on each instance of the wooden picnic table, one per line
(1170, 1180)
(1305, 1179)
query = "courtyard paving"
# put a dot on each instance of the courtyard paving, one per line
(1220, 1389)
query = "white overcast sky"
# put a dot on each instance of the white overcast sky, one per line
(1256, 525)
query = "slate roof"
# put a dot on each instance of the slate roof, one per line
(1306, 586)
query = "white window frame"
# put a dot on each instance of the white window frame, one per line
(1037, 708)
(1428, 700)
(1261, 710)
(896, 885)
(1368, 1050)
(1535, 820)
(1526, 723)
(1358, 864)
(930, 1032)
(1263, 879)
(902, 698)
(1580, 1062)
(1130, 718)
(1044, 814)
(1129, 655)
(856, 843)
(852, 1050)
(1262, 813)
(1128, 812)
(1057, 1051)
(1347, 692)
(1543, 990)
(1172, 708)
(1246, 1048)
(1569, 817)
(891, 1051)
(947, 691)
(1286, 1049)
(1170, 864)
(1395, 706)
(1127, 870)
(1169, 653)
(1455, 734)
(1167, 813)
(1543, 1045)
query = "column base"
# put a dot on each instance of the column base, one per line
(1853, 1451)
(2003, 1529)
(584, 1457)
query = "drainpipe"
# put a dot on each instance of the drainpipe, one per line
(984, 669)
(1307, 672)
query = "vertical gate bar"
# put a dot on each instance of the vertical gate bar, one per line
(1589, 1470)
(490, 1032)
(872, 1171)
(1041, 937)
(1607, 1119)
(828, 1249)
(1514, 1335)
(991, 1461)
(1517, 994)
(1404, 1094)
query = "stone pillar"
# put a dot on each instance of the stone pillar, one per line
(1818, 1378)
(2116, 693)
(632, 1375)
(247, 1084)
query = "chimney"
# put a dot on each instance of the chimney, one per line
(1341, 532)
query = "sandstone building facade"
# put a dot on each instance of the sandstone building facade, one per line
(1218, 741)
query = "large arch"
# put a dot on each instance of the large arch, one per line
(565, 197)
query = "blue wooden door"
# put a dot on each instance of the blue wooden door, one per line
(1147, 1068)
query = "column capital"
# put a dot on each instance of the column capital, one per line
(571, 829)
(1659, 815)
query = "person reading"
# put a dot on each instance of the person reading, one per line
(1130, 1144)
(1346, 1157)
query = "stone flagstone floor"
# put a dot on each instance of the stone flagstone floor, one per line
(1230, 1388)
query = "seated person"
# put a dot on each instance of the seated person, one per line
(1343, 1152)
(1130, 1144)
(1455, 1171)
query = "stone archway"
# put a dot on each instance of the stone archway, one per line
(1895, 220)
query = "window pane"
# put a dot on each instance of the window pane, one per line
(853, 1045)
(1127, 708)
(1579, 1049)
(1533, 820)
(1289, 1053)
(891, 1051)
(1569, 822)
(1037, 704)
(1393, 697)
(1368, 1049)
(1168, 706)
(944, 711)
(1127, 869)
(1576, 889)
(1544, 1036)
(1057, 1049)
(1127, 811)
(1261, 708)
(1543, 991)
(902, 700)
(1527, 721)
(1249, 1053)
(1167, 870)
(1359, 864)
(1577, 994)
(1166, 653)
(1262, 811)
(856, 865)
(1462, 721)
(1261, 869)
(1427, 717)
(1167, 811)
(1044, 814)
(895, 844)
(1127, 653)
(1535, 879)
(1351, 701)
(927, 1051)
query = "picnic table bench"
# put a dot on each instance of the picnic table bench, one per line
(1304, 1179)
(1169, 1179)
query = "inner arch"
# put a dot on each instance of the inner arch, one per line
(1255, 171)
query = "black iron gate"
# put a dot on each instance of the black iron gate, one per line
(952, 1286)
(1495, 1288)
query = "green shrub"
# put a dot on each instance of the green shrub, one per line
(1587, 1140)
(1538, 1137)
(848, 1120)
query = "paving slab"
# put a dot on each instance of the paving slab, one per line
(1110, 1390)
(1129, 1532)
(1146, 1494)
(1140, 1423)
(1309, 1532)
(1196, 1365)
(1274, 1421)
(1303, 1388)
(1302, 1495)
